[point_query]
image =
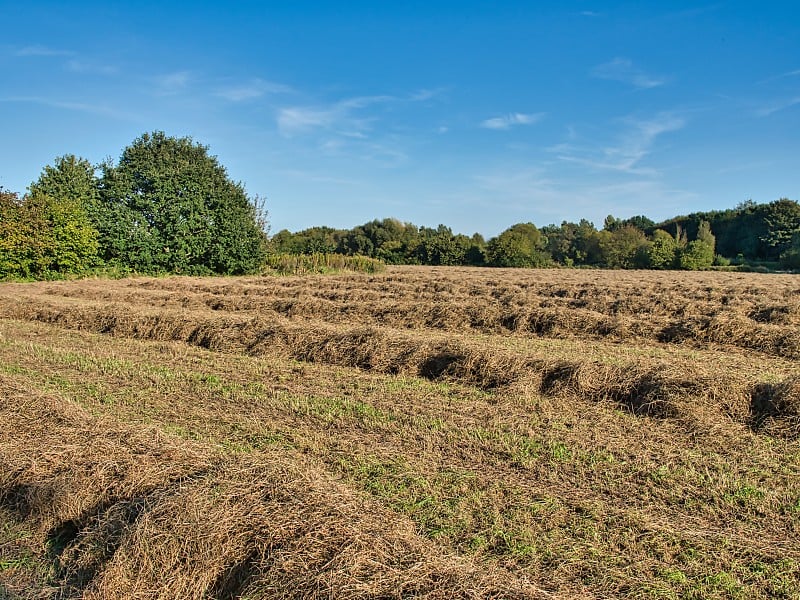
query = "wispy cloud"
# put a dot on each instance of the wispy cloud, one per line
(94, 109)
(322, 178)
(172, 83)
(251, 90)
(777, 106)
(425, 94)
(624, 71)
(343, 117)
(38, 50)
(77, 66)
(511, 120)
(540, 194)
(359, 129)
(517, 183)
(793, 73)
(629, 148)
(589, 13)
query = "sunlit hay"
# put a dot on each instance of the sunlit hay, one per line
(131, 514)
(78, 480)
(737, 329)
(723, 309)
(280, 530)
(650, 390)
(64, 464)
(555, 322)
(477, 366)
(780, 313)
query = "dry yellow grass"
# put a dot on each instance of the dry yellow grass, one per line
(419, 433)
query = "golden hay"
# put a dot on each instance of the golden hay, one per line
(130, 513)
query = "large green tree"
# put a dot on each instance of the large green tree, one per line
(169, 206)
(521, 245)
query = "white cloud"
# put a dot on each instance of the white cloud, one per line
(94, 109)
(77, 66)
(298, 119)
(349, 117)
(777, 106)
(538, 194)
(425, 94)
(623, 70)
(794, 73)
(360, 129)
(629, 148)
(322, 178)
(341, 117)
(172, 83)
(38, 50)
(256, 88)
(511, 120)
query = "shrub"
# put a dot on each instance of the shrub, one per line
(43, 238)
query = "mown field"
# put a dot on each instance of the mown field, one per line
(423, 432)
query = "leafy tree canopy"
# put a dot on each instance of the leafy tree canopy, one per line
(70, 178)
(521, 245)
(170, 206)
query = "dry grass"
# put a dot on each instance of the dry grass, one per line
(421, 433)
(126, 512)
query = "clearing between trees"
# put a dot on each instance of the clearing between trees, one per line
(422, 432)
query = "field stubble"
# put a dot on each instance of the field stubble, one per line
(423, 432)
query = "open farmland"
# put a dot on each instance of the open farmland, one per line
(425, 432)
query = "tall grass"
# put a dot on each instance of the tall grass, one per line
(303, 264)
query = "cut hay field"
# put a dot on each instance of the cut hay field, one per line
(423, 432)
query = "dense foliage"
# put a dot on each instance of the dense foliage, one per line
(749, 233)
(168, 206)
(43, 237)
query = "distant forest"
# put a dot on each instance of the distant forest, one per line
(168, 206)
(767, 235)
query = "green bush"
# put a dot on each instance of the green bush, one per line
(696, 255)
(44, 238)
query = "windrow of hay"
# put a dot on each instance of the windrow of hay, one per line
(125, 512)
(736, 330)
(645, 388)
(750, 312)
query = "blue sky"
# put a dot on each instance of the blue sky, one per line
(477, 115)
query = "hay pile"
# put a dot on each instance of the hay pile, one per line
(125, 512)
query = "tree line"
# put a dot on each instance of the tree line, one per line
(762, 233)
(168, 206)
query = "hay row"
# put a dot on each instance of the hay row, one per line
(766, 324)
(659, 390)
(125, 512)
